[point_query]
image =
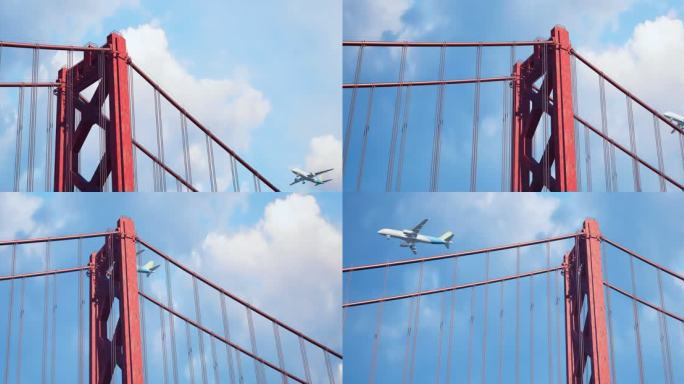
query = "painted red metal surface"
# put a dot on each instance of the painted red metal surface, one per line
(110, 69)
(556, 169)
(114, 275)
(586, 336)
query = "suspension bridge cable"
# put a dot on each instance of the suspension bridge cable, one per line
(258, 368)
(53, 352)
(504, 137)
(664, 335)
(415, 327)
(604, 128)
(452, 318)
(532, 329)
(517, 317)
(441, 335)
(636, 323)
(378, 328)
(162, 325)
(172, 327)
(549, 346)
(279, 350)
(501, 332)
(558, 332)
(234, 174)
(404, 133)
(328, 365)
(471, 330)
(9, 315)
(131, 90)
(21, 330)
(214, 361)
(659, 151)
(578, 147)
(545, 107)
(437, 140)
(48, 140)
(395, 122)
(186, 149)
(610, 319)
(305, 360)
(407, 351)
(476, 122)
(161, 177)
(143, 322)
(352, 105)
(484, 322)
(101, 89)
(20, 127)
(200, 336)
(226, 335)
(191, 361)
(632, 145)
(32, 122)
(46, 304)
(212, 165)
(70, 121)
(81, 302)
(587, 143)
(366, 128)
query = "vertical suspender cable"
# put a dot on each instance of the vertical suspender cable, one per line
(441, 336)
(131, 89)
(20, 127)
(664, 336)
(305, 359)
(186, 148)
(48, 140)
(9, 315)
(366, 128)
(234, 173)
(279, 350)
(452, 318)
(471, 330)
(632, 145)
(214, 361)
(484, 322)
(226, 335)
(415, 326)
(21, 329)
(558, 332)
(212, 166)
(409, 332)
(395, 122)
(53, 352)
(578, 147)
(200, 335)
(328, 365)
(501, 332)
(258, 367)
(32, 122)
(70, 120)
(549, 346)
(46, 304)
(587, 144)
(476, 122)
(378, 330)
(606, 146)
(172, 327)
(352, 105)
(636, 322)
(532, 329)
(437, 140)
(517, 317)
(659, 151)
(101, 94)
(504, 137)
(404, 132)
(546, 172)
(162, 325)
(191, 362)
(143, 324)
(81, 322)
(610, 318)
(160, 141)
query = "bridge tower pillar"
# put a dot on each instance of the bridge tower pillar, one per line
(115, 342)
(556, 168)
(109, 69)
(586, 337)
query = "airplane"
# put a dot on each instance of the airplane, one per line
(304, 176)
(412, 236)
(148, 268)
(675, 118)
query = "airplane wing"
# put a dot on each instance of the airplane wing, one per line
(324, 181)
(418, 227)
(154, 268)
(322, 172)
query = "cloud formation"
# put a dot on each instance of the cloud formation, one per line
(326, 152)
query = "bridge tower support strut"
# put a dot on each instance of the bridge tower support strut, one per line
(556, 168)
(586, 336)
(109, 69)
(114, 280)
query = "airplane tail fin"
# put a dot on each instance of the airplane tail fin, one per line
(447, 236)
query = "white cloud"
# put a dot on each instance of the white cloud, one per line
(369, 19)
(326, 152)
(18, 212)
(230, 107)
(289, 262)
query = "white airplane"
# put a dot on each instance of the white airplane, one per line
(302, 176)
(676, 119)
(148, 268)
(412, 236)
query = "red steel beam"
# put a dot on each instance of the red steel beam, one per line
(517, 142)
(53, 47)
(164, 166)
(29, 85)
(450, 288)
(429, 82)
(62, 135)
(452, 44)
(43, 273)
(457, 254)
(584, 285)
(56, 238)
(645, 260)
(114, 275)
(644, 302)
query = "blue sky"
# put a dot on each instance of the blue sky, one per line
(244, 243)
(626, 39)
(263, 76)
(648, 224)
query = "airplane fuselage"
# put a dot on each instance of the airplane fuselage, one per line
(402, 235)
(303, 176)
